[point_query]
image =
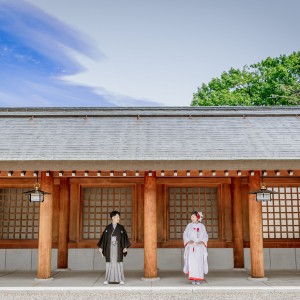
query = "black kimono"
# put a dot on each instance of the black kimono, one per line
(122, 238)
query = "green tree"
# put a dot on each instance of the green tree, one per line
(269, 82)
(291, 93)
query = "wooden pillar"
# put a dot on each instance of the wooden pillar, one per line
(238, 243)
(62, 255)
(150, 226)
(45, 228)
(255, 229)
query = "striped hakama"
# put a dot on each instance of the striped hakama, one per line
(114, 269)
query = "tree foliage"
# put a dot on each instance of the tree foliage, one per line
(273, 81)
(292, 93)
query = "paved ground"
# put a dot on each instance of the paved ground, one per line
(227, 284)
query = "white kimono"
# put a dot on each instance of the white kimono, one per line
(195, 255)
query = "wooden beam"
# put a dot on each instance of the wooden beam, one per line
(62, 254)
(255, 228)
(106, 181)
(140, 211)
(237, 224)
(45, 228)
(74, 174)
(227, 217)
(183, 181)
(74, 220)
(278, 243)
(159, 173)
(160, 205)
(55, 212)
(150, 227)
(167, 244)
(17, 182)
(245, 208)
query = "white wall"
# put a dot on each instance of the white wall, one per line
(168, 259)
(277, 258)
(23, 259)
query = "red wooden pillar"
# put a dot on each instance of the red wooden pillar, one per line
(238, 243)
(45, 228)
(62, 255)
(255, 229)
(150, 226)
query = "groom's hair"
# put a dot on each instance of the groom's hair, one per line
(114, 213)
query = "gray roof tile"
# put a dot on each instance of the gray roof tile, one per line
(160, 134)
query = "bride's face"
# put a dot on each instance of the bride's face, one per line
(194, 218)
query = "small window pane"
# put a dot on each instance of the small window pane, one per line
(281, 213)
(93, 223)
(15, 207)
(199, 199)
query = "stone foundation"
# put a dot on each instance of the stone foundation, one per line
(168, 259)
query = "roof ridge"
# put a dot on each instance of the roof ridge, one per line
(182, 111)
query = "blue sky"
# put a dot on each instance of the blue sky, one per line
(133, 53)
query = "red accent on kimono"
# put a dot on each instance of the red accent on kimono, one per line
(193, 278)
(186, 244)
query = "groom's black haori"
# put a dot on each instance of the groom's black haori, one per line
(105, 241)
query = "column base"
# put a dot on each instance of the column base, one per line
(258, 279)
(43, 279)
(150, 279)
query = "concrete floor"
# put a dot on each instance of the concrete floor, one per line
(225, 284)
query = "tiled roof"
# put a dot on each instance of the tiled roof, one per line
(158, 134)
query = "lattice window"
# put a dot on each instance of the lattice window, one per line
(19, 218)
(98, 203)
(281, 215)
(184, 200)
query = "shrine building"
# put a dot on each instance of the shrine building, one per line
(155, 165)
